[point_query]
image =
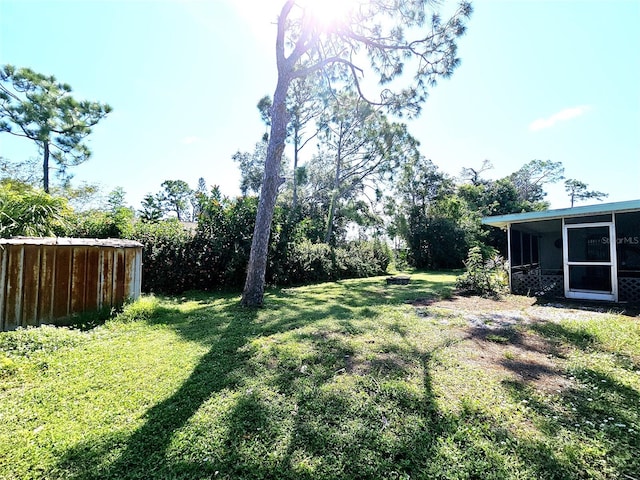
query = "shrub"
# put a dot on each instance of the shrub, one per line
(401, 258)
(216, 255)
(25, 210)
(383, 255)
(436, 243)
(309, 262)
(362, 259)
(165, 266)
(485, 275)
(174, 261)
(98, 224)
(319, 262)
(219, 251)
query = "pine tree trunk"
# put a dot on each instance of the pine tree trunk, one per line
(45, 168)
(336, 190)
(253, 293)
(296, 140)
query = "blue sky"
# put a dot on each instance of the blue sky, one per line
(539, 80)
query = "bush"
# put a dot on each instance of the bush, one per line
(98, 224)
(165, 265)
(174, 261)
(401, 258)
(309, 262)
(219, 251)
(485, 274)
(436, 243)
(25, 210)
(383, 255)
(319, 262)
(216, 255)
(362, 259)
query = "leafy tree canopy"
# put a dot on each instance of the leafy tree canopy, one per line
(380, 37)
(366, 149)
(578, 191)
(151, 210)
(533, 176)
(176, 197)
(38, 107)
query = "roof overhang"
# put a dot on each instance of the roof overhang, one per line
(70, 242)
(502, 221)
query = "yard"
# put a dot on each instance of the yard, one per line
(354, 379)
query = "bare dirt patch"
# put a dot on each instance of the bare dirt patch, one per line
(474, 303)
(497, 337)
(506, 336)
(530, 305)
(519, 354)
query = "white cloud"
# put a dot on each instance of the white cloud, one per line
(561, 116)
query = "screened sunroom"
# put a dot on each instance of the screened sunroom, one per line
(587, 252)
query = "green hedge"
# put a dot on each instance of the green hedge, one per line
(436, 243)
(318, 262)
(165, 256)
(216, 254)
(175, 261)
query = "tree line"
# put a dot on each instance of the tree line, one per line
(363, 177)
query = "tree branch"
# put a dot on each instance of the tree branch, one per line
(303, 72)
(282, 27)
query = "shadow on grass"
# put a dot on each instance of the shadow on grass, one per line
(599, 411)
(342, 300)
(588, 414)
(591, 406)
(579, 337)
(143, 454)
(325, 411)
(365, 292)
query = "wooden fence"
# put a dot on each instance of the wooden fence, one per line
(48, 280)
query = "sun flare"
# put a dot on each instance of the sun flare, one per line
(328, 13)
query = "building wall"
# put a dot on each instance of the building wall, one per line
(549, 279)
(551, 251)
(628, 256)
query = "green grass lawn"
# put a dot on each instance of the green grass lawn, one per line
(332, 381)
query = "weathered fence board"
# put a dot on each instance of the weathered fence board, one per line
(14, 289)
(62, 283)
(91, 291)
(31, 270)
(47, 280)
(47, 266)
(106, 278)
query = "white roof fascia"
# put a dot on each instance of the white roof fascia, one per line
(616, 207)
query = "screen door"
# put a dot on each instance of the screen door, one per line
(590, 261)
